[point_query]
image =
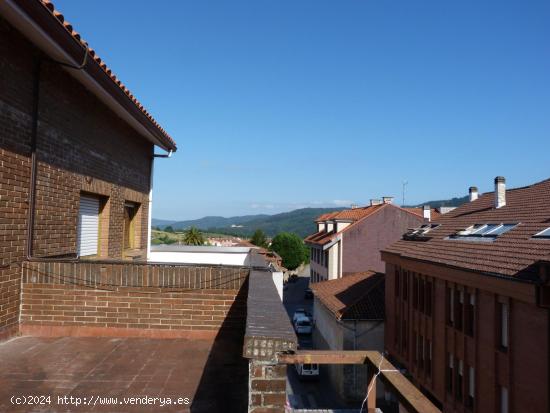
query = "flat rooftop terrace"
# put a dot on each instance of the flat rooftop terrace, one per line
(212, 374)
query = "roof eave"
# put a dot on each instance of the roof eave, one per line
(35, 21)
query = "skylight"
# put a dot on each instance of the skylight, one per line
(420, 232)
(483, 231)
(544, 234)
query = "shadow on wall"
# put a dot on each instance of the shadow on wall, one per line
(223, 386)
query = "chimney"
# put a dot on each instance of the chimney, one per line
(353, 206)
(387, 199)
(500, 192)
(427, 212)
(375, 202)
(473, 193)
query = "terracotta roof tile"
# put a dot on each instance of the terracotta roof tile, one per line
(48, 5)
(358, 296)
(514, 253)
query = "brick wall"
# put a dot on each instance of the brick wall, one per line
(95, 298)
(267, 387)
(81, 146)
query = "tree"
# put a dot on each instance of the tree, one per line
(259, 239)
(193, 236)
(291, 248)
(169, 229)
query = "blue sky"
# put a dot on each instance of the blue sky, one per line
(277, 105)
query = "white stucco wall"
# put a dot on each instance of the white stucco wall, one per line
(333, 260)
(200, 255)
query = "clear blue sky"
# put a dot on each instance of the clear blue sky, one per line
(282, 104)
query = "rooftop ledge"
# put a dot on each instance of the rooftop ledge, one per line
(268, 328)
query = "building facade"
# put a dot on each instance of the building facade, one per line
(76, 150)
(350, 241)
(349, 315)
(467, 303)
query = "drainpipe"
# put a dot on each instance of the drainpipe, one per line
(150, 206)
(34, 138)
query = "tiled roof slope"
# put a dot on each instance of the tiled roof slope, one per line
(91, 53)
(512, 254)
(354, 215)
(357, 296)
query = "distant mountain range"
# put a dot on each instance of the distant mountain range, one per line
(453, 202)
(299, 221)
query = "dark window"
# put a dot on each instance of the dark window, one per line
(459, 299)
(428, 358)
(404, 336)
(450, 306)
(422, 351)
(459, 380)
(421, 294)
(428, 298)
(470, 314)
(450, 366)
(471, 388)
(326, 259)
(415, 292)
(405, 284)
(503, 325)
(397, 279)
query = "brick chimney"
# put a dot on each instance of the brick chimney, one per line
(375, 202)
(500, 192)
(387, 199)
(474, 194)
(427, 212)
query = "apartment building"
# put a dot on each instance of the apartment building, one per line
(468, 302)
(350, 241)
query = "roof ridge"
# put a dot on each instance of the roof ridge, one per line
(50, 7)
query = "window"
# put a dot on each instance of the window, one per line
(130, 212)
(422, 352)
(470, 314)
(450, 306)
(544, 234)
(459, 380)
(404, 336)
(326, 259)
(415, 292)
(405, 284)
(483, 231)
(503, 400)
(421, 294)
(416, 341)
(504, 316)
(397, 279)
(471, 388)
(429, 358)
(428, 308)
(88, 226)
(459, 309)
(450, 367)
(419, 234)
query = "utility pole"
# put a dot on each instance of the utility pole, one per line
(405, 183)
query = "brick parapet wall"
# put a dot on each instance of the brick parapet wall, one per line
(128, 299)
(267, 387)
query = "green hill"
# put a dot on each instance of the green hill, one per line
(299, 221)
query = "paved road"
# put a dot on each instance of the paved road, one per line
(307, 394)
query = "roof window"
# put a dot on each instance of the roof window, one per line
(544, 234)
(483, 231)
(419, 233)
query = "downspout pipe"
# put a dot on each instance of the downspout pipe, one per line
(150, 206)
(37, 71)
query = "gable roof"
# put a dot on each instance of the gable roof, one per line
(512, 254)
(358, 296)
(352, 215)
(47, 28)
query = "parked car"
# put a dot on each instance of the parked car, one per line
(299, 312)
(308, 294)
(303, 325)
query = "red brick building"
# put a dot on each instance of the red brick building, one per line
(350, 241)
(76, 150)
(468, 299)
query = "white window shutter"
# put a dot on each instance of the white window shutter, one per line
(88, 226)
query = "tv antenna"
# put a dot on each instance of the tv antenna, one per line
(405, 183)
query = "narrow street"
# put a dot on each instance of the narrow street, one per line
(315, 394)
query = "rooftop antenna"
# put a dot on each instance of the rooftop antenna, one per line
(405, 183)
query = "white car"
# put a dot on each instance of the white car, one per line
(300, 312)
(303, 325)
